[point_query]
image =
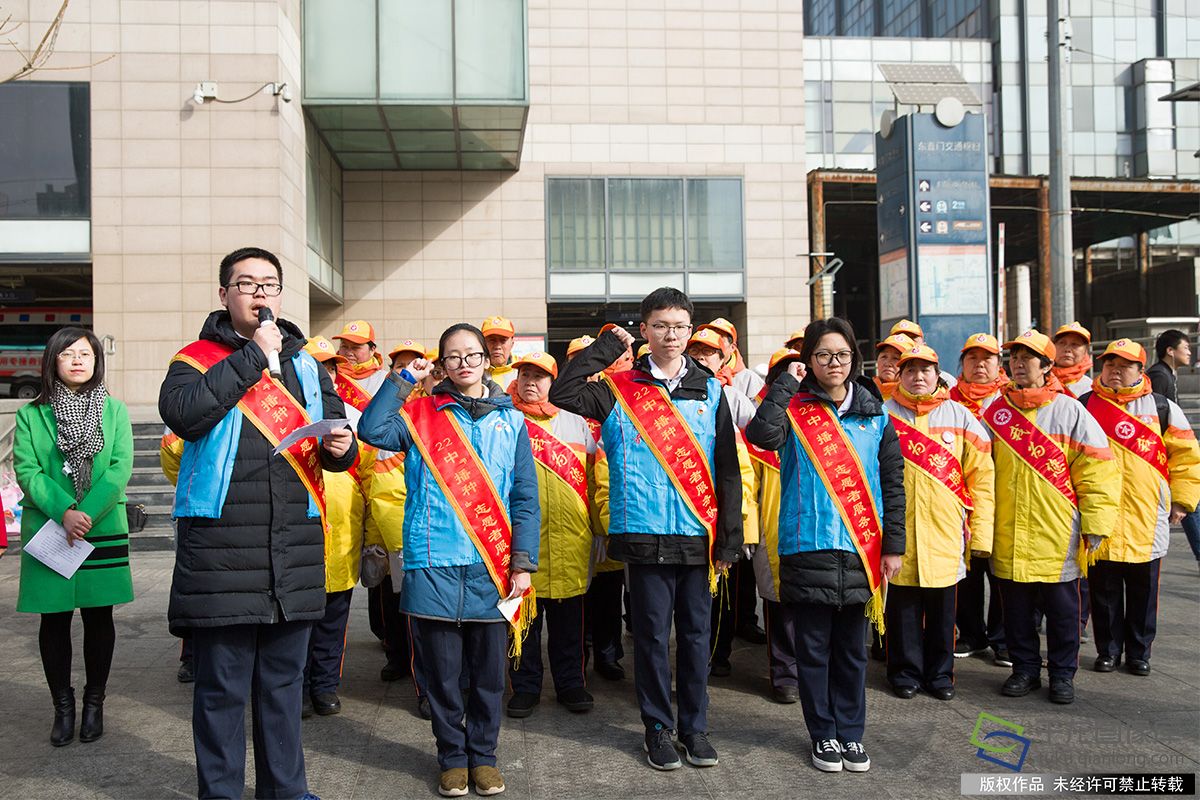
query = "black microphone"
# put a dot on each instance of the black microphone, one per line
(265, 316)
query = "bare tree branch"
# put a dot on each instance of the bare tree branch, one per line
(41, 55)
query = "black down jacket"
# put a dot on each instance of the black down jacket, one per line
(263, 560)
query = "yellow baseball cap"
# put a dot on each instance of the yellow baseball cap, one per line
(358, 331)
(1075, 328)
(984, 341)
(919, 352)
(1125, 349)
(721, 325)
(897, 340)
(643, 350)
(322, 349)
(543, 361)
(431, 354)
(708, 337)
(1036, 341)
(908, 328)
(498, 326)
(579, 343)
(408, 346)
(781, 355)
(795, 339)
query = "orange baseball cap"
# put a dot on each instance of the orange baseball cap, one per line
(358, 331)
(643, 350)
(543, 361)
(984, 341)
(708, 337)
(919, 352)
(322, 349)
(1126, 349)
(431, 354)
(897, 340)
(1036, 341)
(795, 339)
(408, 346)
(1075, 328)
(498, 326)
(579, 343)
(721, 325)
(908, 328)
(781, 355)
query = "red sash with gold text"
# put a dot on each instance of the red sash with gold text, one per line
(273, 410)
(1130, 433)
(926, 454)
(769, 458)
(1031, 445)
(350, 392)
(560, 459)
(836, 461)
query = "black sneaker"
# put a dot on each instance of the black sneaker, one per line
(697, 750)
(187, 672)
(576, 700)
(660, 750)
(423, 709)
(827, 755)
(854, 757)
(521, 704)
(720, 668)
(1001, 657)
(968, 649)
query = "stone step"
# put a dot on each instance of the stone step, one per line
(154, 429)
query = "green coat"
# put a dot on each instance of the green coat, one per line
(104, 578)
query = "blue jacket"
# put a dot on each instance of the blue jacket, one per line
(444, 575)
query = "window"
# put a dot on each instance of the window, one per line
(605, 236)
(45, 151)
(324, 216)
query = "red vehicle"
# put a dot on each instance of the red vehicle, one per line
(23, 335)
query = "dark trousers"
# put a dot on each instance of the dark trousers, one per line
(449, 652)
(832, 663)
(603, 612)
(99, 640)
(781, 644)
(1125, 607)
(265, 665)
(327, 645)
(395, 631)
(1060, 604)
(920, 642)
(564, 620)
(723, 622)
(972, 628)
(745, 594)
(658, 594)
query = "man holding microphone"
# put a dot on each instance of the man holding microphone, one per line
(249, 575)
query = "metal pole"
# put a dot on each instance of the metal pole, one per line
(1062, 262)
(816, 210)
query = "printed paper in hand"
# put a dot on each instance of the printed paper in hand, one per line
(510, 606)
(49, 546)
(316, 429)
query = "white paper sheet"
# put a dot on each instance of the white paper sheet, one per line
(316, 429)
(510, 605)
(49, 546)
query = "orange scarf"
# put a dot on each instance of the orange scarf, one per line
(360, 371)
(1032, 398)
(544, 409)
(733, 362)
(886, 388)
(1124, 394)
(921, 403)
(978, 392)
(1068, 375)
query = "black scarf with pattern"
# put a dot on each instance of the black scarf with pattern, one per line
(80, 435)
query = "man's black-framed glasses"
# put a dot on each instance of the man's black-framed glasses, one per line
(250, 287)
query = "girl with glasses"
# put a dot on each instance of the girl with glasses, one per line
(472, 525)
(841, 530)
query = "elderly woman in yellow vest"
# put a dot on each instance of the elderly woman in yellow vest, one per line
(1155, 449)
(562, 443)
(1057, 489)
(778, 619)
(949, 483)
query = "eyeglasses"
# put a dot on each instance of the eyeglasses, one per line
(71, 355)
(470, 359)
(662, 330)
(825, 358)
(250, 287)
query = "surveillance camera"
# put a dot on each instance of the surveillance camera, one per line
(286, 93)
(198, 97)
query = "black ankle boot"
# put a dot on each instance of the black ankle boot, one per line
(64, 717)
(91, 727)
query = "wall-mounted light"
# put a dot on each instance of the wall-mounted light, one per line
(207, 90)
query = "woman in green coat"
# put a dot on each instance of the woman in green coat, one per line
(73, 454)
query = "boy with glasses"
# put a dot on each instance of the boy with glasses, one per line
(675, 508)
